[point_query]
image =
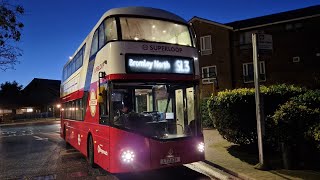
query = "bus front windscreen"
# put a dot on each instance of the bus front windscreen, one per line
(142, 29)
(162, 111)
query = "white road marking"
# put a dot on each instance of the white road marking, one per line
(5, 134)
(209, 171)
(40, 139)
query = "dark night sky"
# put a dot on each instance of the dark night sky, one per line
(55, 28)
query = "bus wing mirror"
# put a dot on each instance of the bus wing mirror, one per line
(101, 93)
(102, 75)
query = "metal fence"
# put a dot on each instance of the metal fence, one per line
(26, 116)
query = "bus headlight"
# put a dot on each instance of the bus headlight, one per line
(201, 147)
(127, 156)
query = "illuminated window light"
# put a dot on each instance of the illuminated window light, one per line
(153, 26)
(164, 31)
(136, 38)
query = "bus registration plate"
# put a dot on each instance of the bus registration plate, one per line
(170, 160)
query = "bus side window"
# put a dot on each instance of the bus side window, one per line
(102, 39)
(94, 45)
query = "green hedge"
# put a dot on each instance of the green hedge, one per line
(234, 115)
(310, 99)
(299, 119)
(293, 120)
(206, 120)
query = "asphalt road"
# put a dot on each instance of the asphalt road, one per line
(36, 151)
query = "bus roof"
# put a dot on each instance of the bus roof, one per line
(145, 11)
(138, 11)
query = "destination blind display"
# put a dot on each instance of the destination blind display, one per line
(158, 64)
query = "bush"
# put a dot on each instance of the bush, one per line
(207, 122)
(314, 134)
(293, 120)
(311, 99)
(234, 114)
(299, 119)
(297, 125)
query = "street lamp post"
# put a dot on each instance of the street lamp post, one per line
(58, 107)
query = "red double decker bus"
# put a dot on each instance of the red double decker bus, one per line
(130, 92)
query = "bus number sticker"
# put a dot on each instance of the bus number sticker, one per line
(93, 103)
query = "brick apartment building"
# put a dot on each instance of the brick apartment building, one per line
(226, 50)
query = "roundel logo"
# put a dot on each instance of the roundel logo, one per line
(93, 103)
(145, 47)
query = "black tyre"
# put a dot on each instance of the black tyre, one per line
(68, 146)
(90, 156)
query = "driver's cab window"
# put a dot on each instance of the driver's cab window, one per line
(143, 100)
(163, 99)
(163, 111)
(122, 105)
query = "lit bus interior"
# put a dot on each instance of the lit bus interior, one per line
(143, 29)
(158, 110)
(154, 30)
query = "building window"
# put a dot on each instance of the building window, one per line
(205, 45)
(245, 38)
(289, 26)
(209, 74)
(295, 26)
(248, 75)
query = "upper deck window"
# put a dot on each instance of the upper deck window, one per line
(73, 65)
(107, 31)
(94, 45)
(110, 29)
(141, 29)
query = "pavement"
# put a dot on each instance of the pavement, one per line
(218, 153)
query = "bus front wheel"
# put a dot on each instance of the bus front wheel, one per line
(68, 146)
(90, 152)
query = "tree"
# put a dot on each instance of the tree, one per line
(10, 34)
(10, 88)
(10, 93)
